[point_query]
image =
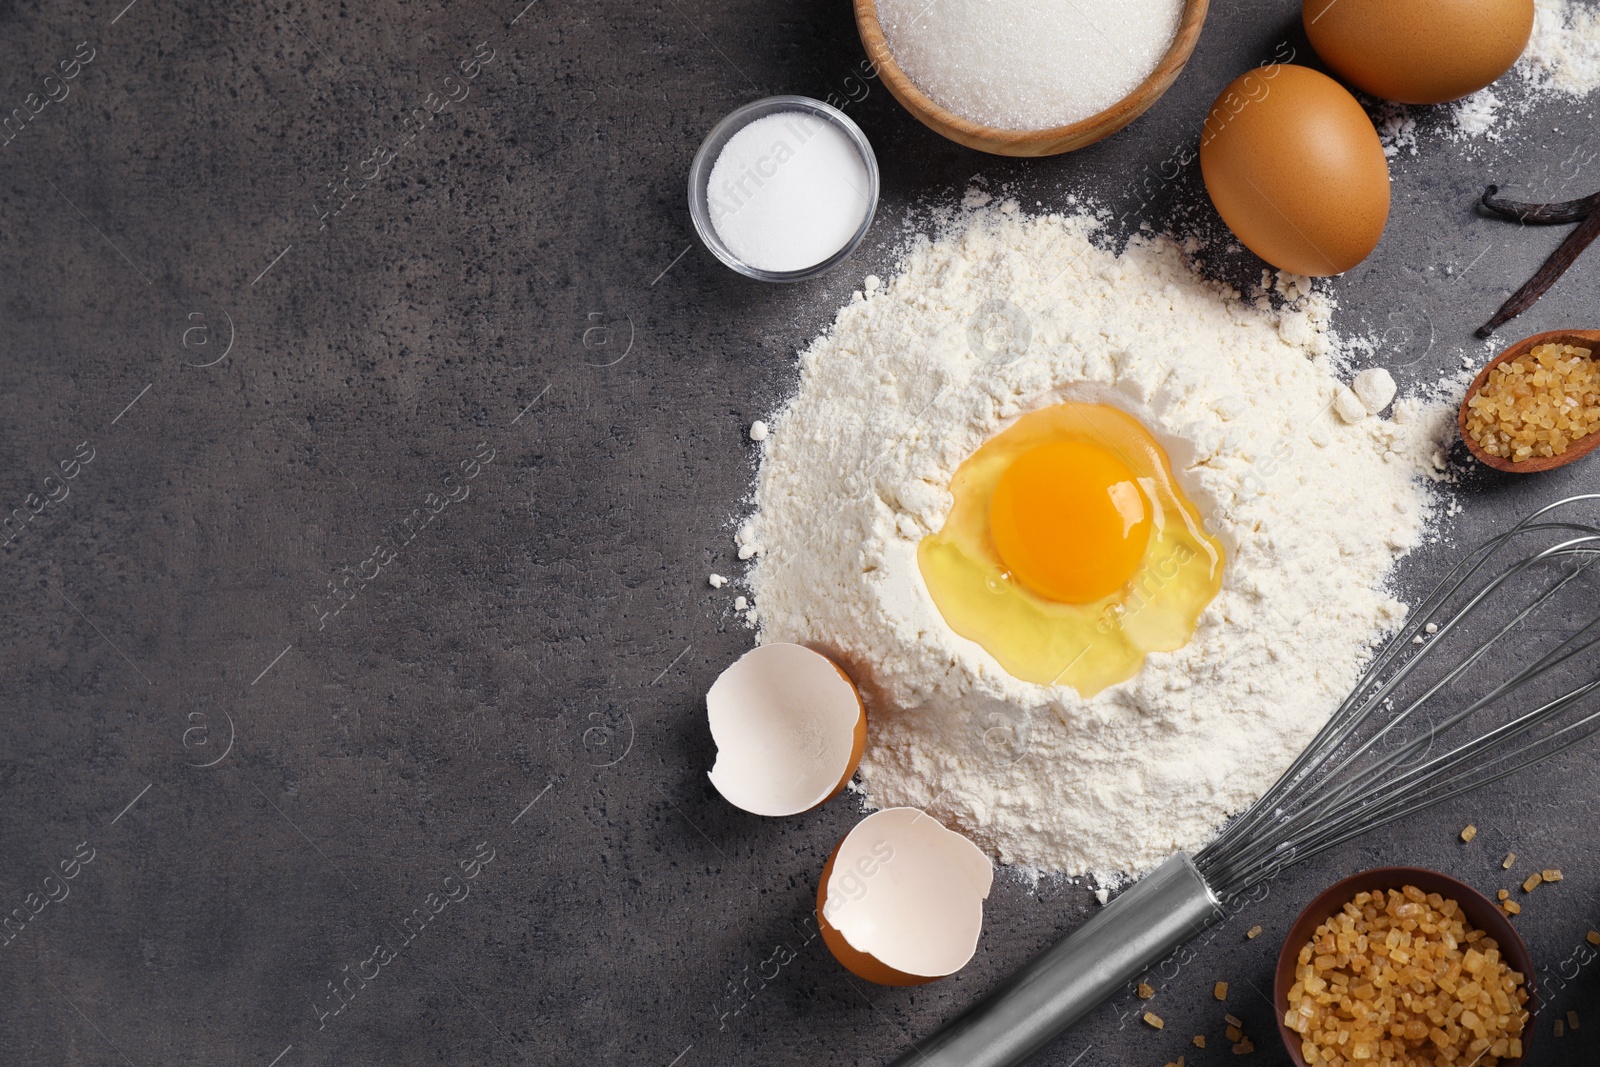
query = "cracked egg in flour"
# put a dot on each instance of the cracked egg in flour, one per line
(1070, 552)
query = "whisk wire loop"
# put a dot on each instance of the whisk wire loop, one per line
(1367, 767)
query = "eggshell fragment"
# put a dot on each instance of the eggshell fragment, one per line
(901, 898)
(789, 727)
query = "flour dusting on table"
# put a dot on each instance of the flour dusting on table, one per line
(1314, 498)
(1563, 54)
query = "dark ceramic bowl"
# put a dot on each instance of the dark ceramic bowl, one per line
(1478, 909)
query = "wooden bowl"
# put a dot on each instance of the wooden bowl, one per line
(1589, 339)
(1048, 142)
(1477, 909)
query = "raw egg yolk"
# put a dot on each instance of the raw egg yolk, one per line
(1070, 551)
(1069, 522)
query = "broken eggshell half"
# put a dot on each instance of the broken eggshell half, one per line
(901, 898)
(789, 727)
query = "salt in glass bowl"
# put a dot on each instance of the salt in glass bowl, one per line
(706, 158)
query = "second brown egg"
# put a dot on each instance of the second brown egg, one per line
(1296, 170)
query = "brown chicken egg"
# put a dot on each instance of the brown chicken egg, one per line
(1296, 170)
(1419, 51)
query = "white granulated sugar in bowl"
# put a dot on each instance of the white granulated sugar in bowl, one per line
(1028, 64)
(1313, 510)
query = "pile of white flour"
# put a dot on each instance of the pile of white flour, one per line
(1314, 498)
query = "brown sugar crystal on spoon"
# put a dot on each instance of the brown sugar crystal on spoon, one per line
(1538, 404)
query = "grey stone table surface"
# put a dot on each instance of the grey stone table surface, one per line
(371, 420)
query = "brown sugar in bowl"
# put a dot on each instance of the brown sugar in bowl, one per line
(1476, 908)
(1589, 339)
(1046, 142)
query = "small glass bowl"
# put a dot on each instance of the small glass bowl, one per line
(711, 148)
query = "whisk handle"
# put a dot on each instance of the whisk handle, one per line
(1141, 927)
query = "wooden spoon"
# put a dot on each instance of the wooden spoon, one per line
(1589, 339)
(1048, 142)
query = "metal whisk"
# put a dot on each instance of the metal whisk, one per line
(1490, 675)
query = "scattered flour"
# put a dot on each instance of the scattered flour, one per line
(1397, 127)
(1004, 314)
(1564, 53)
(1475, 116)
(1376, 388)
